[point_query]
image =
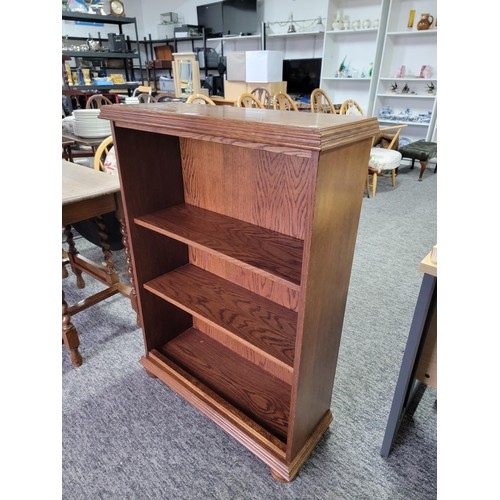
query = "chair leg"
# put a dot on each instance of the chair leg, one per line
(374, 184)
(393, 176)
(368, 184)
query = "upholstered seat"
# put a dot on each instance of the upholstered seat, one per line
(383, 160)
(422, 151)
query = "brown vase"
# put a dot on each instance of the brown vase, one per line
(425, 22)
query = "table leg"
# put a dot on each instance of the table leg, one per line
(123, 229)
(70, 335)
(416, 339)
(72, 253)
(106, 250)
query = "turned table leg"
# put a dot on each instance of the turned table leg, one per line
(70, 335)
(130, 273)
(72, 253)
(106, 250)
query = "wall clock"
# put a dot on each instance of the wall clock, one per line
(116, 8)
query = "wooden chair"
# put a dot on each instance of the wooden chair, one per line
(163, 98)
(283, 102)
(200, 99)
(247, 100)
(384, 157)
(97, 101)
(101, 153)
(264, 96)
(351, 107)
(144, 97)
(321, 103)
(142, 89)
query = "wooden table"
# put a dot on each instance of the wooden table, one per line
(69, 139)
(221, 101)
(419, 365)
(88, 193)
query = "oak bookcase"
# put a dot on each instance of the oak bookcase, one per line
(242, 225)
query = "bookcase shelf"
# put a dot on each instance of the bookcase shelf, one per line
(242, 383)
(276, 255)
(242, 225)
(265, 326)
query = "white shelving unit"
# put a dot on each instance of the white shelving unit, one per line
(293, 44)
(406, 46)
(359, 49)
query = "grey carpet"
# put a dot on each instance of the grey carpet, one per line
(128, 436)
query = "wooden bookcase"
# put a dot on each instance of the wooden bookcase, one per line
(242, 225)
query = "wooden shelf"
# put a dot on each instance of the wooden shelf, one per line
(242, 229)
(245, 385)
(260, 323)
(275, 255)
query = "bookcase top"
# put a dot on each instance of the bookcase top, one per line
(286, 129)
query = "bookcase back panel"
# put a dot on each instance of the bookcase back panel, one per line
(266, 362)
(246, 278)
(261, 187)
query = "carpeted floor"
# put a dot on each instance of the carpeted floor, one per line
(128, 436)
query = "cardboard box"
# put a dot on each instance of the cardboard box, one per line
(164, 52)
(264, 66)
(233, 90)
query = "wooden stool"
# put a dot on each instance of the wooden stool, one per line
(422, 151)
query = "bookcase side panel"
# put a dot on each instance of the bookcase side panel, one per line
(328, 254)
(151, 179)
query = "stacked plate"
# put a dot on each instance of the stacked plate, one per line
(88, 125)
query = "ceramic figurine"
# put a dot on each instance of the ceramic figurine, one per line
(394, 87)
(425, 71)
(431, 88)
(425, 22)
(406, 89)
(338, 24)
(400, 73)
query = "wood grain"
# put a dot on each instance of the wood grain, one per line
(281, 293)
(277, 256)
(263, 188)
(255, 356)
(279, 131)
(297, 174)
(259, 322)
(250, 389)
(328, 254)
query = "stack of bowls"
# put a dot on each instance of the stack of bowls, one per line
(88, 124)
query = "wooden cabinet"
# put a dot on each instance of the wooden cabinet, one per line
(242, 225)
